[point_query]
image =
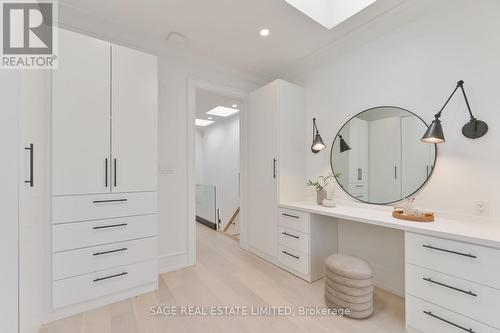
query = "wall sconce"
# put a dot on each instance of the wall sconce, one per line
(343, 145)
(318, 144)
(473, 129)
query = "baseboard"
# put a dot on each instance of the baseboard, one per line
(173, 262)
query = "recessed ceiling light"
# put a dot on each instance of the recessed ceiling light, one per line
(222, 111)
(209, 118)
(265, 32)
(330, 13)
(202, 122)
(235, 105)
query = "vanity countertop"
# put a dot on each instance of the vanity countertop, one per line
(486, 234)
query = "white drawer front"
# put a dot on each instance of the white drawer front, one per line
(472, 262)
(294, 260)
(417, 319)
(92, 259)
(467, 298)
(102, 206)
(293, 239)
(76, 235)
(90, 286)
(293, 219)
(358, 188)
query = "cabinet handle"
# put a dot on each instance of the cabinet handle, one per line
(288, 215)
(106, 172)
(450, 287)
(395, 172)
(427, 171)
(110, 277)
(360, 174)
(108, 201)
(290, 255)
(449, 322)
(449, 251)
(110, 226)
(274, 168)
(111, 251)
(31, 148)
(290, 235)
(114, 172)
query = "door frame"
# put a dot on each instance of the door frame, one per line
(193, 85)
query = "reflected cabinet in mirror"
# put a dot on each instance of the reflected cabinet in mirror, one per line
(380, 157)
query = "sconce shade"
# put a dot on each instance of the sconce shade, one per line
(434, 133)
(318, 143)
(343, 145)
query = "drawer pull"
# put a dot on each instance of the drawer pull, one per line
(288, 215)
(110, 226)
(108, 201)
(449, 251)
(450, 287)
(110, 277)
(449, 322)
(111, 251)
(291, 255)
(290, 235)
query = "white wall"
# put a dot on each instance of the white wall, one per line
(173, 155)
(218, 163)
(416, 66)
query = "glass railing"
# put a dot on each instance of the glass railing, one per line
(206, 205)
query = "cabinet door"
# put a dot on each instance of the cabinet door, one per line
(262, 166)
(134, 120)
(80, 116)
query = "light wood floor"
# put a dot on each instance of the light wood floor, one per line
(226, 275)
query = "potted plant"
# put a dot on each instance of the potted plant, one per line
(321, 184)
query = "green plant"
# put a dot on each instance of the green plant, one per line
(323, 181)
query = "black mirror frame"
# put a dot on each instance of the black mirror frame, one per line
(392, 202)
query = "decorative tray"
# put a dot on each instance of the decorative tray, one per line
(429, 217)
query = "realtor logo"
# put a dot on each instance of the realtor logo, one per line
(28, 34)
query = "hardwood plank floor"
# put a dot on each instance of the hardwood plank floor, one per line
(226, 275)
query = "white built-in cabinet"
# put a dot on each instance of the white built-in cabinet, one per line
(104, 174)
(276, 169)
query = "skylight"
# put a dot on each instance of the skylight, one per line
(222, 111)
(202, 122)
(330, 13)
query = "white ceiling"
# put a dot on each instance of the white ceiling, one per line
(206, 101)
(225, 32)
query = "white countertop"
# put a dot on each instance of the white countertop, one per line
(477, 233)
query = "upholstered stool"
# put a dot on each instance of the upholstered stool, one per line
(349, 285)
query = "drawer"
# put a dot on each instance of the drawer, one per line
(294, 219)
(102, 206)
(358, 188)
(92, 259)
(293, 239)
(294, 260)
(425, 317)
(91, 286)
(467, 298)
(471, 262)
(76, 235)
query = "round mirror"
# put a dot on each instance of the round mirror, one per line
(378, 158)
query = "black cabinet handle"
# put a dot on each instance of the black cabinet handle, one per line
(290, 235)
(290, 255)
(449, 251)
(450, 287)
(449, 322)
(111, 251)
(31, 148)
(114, 172)
(274, 168)
(288, 215)
(395, 172)
(110, 226)
(108, 201)
(110, 277)
(106, 172)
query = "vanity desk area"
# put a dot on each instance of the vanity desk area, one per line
(452, 268)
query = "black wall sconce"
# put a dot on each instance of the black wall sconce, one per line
(473, 129)
(318, 144)
(343, 145)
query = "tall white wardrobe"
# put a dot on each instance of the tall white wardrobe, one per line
(104, 174)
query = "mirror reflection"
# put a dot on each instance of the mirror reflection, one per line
(380, 156)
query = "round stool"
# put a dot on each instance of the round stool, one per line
(349, 285)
